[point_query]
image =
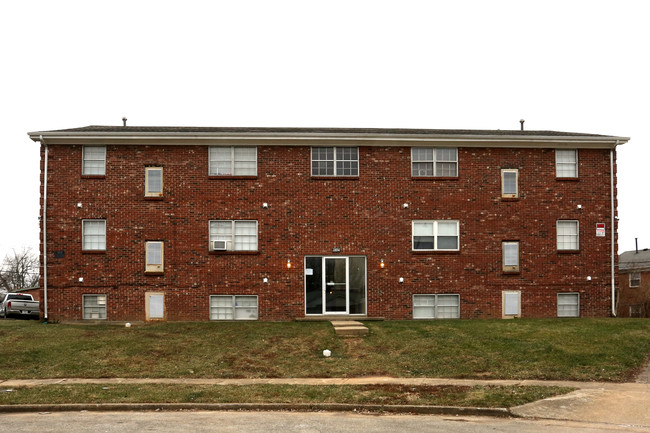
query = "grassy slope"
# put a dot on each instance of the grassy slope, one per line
(581, 349)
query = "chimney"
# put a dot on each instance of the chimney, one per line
(636, 245)
(522, 124)
(124, 119)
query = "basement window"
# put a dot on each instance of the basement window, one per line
(238, 307)
(436, 306)
(568, 305)
(94, 307)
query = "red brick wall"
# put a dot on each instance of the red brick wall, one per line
(310, 216)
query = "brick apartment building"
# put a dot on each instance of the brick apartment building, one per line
(185, 223)
(634, 288)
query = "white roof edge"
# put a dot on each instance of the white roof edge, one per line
(186, 138)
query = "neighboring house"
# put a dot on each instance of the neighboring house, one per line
(185, 223)
(634, 284)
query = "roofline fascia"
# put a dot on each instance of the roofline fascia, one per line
(300, 139)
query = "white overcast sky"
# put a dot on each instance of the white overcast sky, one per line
(578, 66)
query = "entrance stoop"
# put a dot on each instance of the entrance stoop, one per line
(349, 328)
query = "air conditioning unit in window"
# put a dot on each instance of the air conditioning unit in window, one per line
(220, 245)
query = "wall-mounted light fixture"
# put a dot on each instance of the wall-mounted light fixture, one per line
(579, 206)
(79, 205)
(589, 278)
(288, 264)
(265, 280)
(382, 264)
(265, 205)
(406, 205)
(81, 279)
(401, 280)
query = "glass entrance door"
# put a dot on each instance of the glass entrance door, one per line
(336, 285)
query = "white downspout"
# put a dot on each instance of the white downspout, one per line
(611, 187)
(45, 231)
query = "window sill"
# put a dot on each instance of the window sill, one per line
(233, 253)
(426, 252)
(568, 251)
(434, 178)
(335, 177)
(510, 199)
(511, 272)
(154, 198)
(568, 179)
(93, 251)
(231, 177)
(93, 176)
(153, 273)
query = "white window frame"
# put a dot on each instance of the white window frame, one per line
(566, 160)
(86, 170)
(509, 194)
(97, 308)
(561, 237)
(339, 161)
(152, 265)
(234, 307)
(561, 312)
(148, 190)
(509, 296)
(435, 234)
(231, 238)
(635, 282)
(428, 306)
(435, 161)
(233, 170)
(85, 236)
(507, 264)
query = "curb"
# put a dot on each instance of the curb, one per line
(302, 407)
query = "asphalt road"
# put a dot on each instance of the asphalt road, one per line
(284, 422)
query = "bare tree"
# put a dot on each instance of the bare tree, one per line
(20, 271)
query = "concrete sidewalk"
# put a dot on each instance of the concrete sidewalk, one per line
(595, 402)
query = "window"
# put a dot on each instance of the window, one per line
(94, 307)
(511, 304)
(566, 163)
(434, 162)
(509, 183)
(93, 235)
(154, 307)
(233, 235)
(335, 161)
(233, 307)
(153, 181)
(635, 279)
(154, 255)
(568, 305)
(567, 235)
(94, 161)
(435, 235)
(233, 161)
(436, 306)
(510, 253)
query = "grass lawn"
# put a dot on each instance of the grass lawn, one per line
(464, 396)
(571, 349)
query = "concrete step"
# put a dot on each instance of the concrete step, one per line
(351, 331)
(349, 328)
